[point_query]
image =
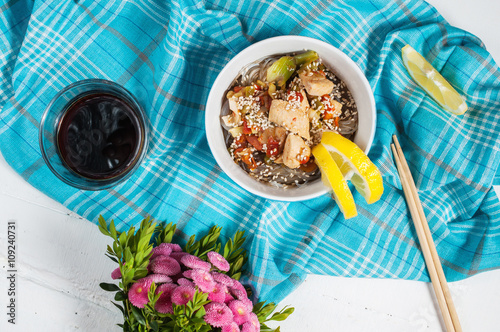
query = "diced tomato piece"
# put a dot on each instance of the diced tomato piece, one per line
(254, 140)
(329, 109)
(247, 157)
(295, 95)
(304, 161)
(237, 88)
(337, 121)
(328, 114)
(238, 150)
(240, 141)
(273, 147)
(246, 129)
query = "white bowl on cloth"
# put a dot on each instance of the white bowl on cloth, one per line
(336, 60)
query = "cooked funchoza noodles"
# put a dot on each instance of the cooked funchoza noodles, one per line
(275, 112)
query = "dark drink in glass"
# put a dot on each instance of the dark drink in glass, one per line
(98, 136)
(93, 134)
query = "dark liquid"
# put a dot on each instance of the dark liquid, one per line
(99, 136)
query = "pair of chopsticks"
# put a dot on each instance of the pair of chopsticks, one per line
(426, 243)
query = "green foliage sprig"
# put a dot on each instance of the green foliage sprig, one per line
(132, 251)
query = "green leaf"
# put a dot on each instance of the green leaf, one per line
(128, 254)
(112, 229)
(122, 239)
(109, 287)
(200, 313)
(120, 296)
(103, 227)
(154, 326)
(265, 328)
(138, 315)
(112, 258)
(278, 317)
(119, 307)
(258, 306)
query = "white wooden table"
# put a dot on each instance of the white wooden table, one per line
(60, 260)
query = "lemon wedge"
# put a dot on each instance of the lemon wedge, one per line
(425, 75)
(332, 178)
(355, 165)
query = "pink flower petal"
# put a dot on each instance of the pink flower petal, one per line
(164, 265)
(138, 293)
(228, 298)
(194, 262)
(218, 261)
(240, 311)
(218, 294)
(218, 314)
(161, 250)
(184, 282)
(222, 278)
(164, 303)
(182, 294)
(254, 320)
(174, 246)
(236, 284)
(248, 327)
(188, 274)
(177, 255)
(116, 274)
(204, 280)
(233, 327)
(158, 278)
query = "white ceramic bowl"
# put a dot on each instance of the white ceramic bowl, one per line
(334, 59)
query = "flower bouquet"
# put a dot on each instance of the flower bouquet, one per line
(164, 287)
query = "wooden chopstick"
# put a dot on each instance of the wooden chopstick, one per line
(427, 245)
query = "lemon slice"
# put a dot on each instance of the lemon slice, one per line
(355, 165)
(332, 177)
(425, 75)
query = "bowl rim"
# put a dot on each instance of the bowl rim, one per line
(221, 81)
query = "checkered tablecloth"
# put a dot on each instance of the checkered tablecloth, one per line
(168, 53)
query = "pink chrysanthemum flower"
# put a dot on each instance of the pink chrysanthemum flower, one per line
(182, 294)
(116, 274)
(164, 303)
(237, 285)
(222, 278)
(218, 314)
(185, 282)
(174, 246)
(218, 294)
(239, 294)
(164, 265)
(194, 262)
(158, 278)
(188, 274)
(204, 280)
(248, 327)
(233, 327)
(240, 311)
(138, 293)
(254, 320)
(228, 298)
(218, 261)
(161, 250)
(177, 255)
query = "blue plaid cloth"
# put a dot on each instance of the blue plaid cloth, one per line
(169, 53)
